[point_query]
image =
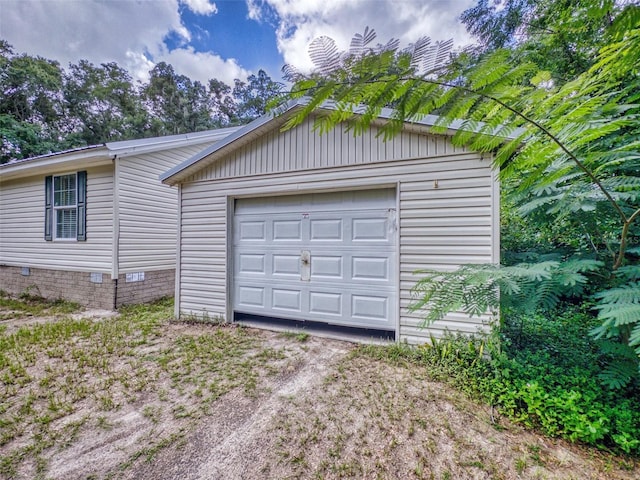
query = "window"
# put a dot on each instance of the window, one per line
(65, 207)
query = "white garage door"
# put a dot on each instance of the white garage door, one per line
(324, 257)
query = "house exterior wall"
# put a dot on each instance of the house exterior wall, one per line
(53, 284)
(82, 287)
(148, 210)
(131, 226)
(156, 284)
(22, 242)
(303, 149)
(446, 197)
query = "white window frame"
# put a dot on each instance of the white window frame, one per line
(56, 209)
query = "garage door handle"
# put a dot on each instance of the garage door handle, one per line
(305, 265)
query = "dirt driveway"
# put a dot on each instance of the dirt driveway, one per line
(139, 397)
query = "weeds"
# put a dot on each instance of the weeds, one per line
(299, 336)
(52, 372)
(28, 304)
(542, 374)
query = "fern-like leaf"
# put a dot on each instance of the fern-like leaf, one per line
(324, 54)
(436, 56)
(624, 295)
(360, 42)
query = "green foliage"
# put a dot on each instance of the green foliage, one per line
(542, 373)
(22, 139)
(28, 304)
(105, 102)
(542, 381)
(619, 332)
(253, 97)
(476, 289)
(562, 37)
(566, 149)
(44, 108)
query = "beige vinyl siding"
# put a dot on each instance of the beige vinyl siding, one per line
(203, 251)
(303, 149)
(22, 226)
(439, 226)
(148, 210)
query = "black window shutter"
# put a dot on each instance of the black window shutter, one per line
(48, 210)
(82, 207)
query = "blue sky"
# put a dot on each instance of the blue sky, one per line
(223, 39)
(232, 34)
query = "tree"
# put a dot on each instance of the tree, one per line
(44, 108)
(562, 37)
(223, 108)
(253, 97)
(30, 104)
(101, 104)
(572, 149)
(176, 104)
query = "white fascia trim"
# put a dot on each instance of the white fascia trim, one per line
(136, 147)
(90, 157)
(103, 154)
(239, 133)
(179, 172)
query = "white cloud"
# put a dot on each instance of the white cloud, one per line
(254, 10)
(407, 20)
(138, 65)
(201, 7)
(203, 65)
(134, 33)
(129, 33)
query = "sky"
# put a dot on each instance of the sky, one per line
(223, 39)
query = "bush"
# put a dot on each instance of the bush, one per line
(543, 373)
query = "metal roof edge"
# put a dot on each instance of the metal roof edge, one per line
(51, 154)
(247, 129)
(25, 166)
(122, 148)
(145, 145)
(284, 110)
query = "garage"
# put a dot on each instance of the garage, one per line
(326, 257)
(282, 228)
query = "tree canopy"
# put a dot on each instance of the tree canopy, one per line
(44, 107)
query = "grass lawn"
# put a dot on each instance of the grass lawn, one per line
(135, 395)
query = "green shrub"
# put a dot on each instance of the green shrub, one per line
(546, 375)
(542, 373)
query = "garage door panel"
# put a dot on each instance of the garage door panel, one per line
(251, 296)
(326, 230)
(286, 265)
(251, 263)
(369, 307)
(321, 257)
(283, 299)
(327, 267)
(323, 303)
(252, 230)
(368, 229)
(370, 268)
(287, 230)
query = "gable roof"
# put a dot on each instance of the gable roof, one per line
(266, 123)
(105, 153)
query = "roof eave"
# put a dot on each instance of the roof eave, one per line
(234, 140)
(253, 129)
(94, 156)
(138, 147)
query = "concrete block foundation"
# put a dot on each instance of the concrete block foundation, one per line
(84, 288)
